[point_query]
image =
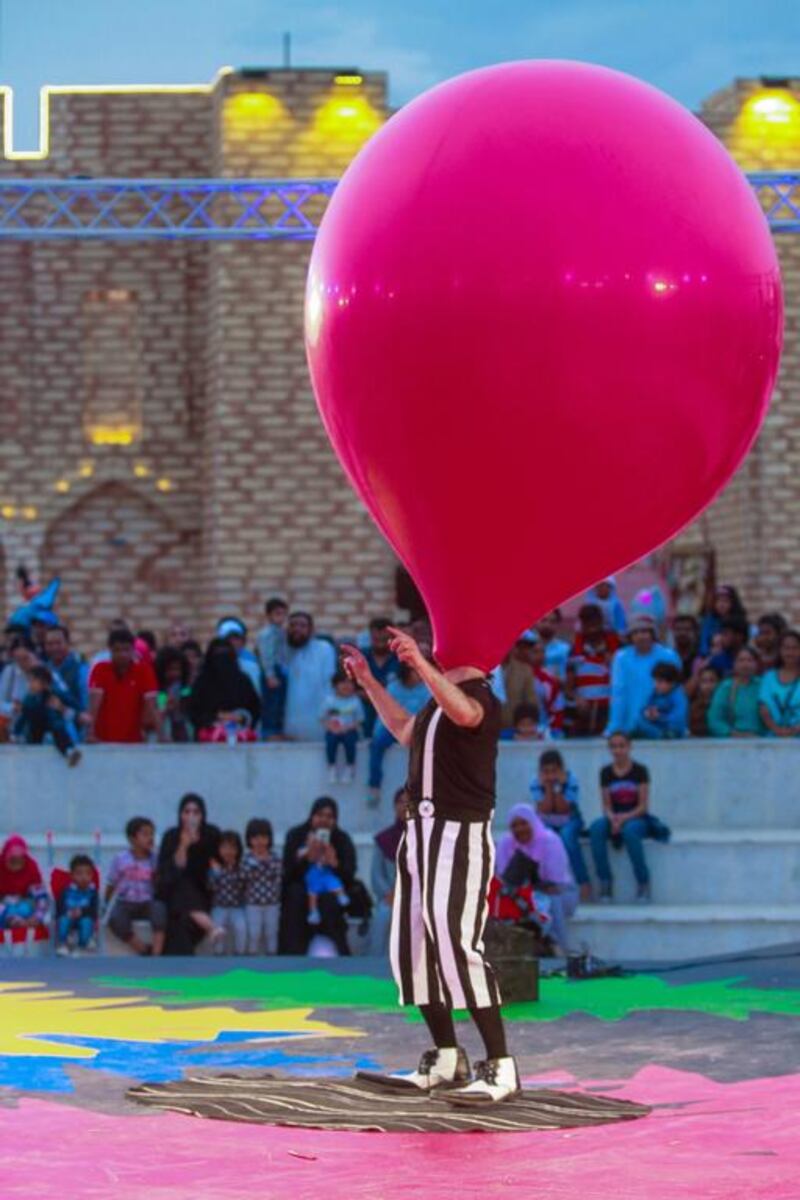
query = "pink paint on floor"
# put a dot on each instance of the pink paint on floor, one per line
(709, 1140)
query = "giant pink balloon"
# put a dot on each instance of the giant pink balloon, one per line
(543, 323)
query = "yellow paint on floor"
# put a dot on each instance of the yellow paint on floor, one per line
(29, 1012)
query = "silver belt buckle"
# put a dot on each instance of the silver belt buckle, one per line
(426, 808)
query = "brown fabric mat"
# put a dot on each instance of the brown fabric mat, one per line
(355, 1105)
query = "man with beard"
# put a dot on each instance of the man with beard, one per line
(312, 663)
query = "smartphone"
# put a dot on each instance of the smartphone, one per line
(322, 835)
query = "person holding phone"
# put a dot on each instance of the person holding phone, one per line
(316, 851)
(184, 861)
(444, 863)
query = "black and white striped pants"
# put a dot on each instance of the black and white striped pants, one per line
(439, 913)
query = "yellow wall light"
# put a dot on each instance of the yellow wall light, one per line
(62, 486)
(30, 512)
(348, 80)
(112, 435)
(768, 130)
(350, 119)
(164, 485)
(8, 512)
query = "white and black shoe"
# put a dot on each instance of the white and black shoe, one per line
(438, 1070)
(495, 1079)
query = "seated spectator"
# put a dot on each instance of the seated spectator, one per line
(626, 820)
(666, 711)
(588, 687)
(232, 630)
(227, 883)
(174, 694)
(184, 862)
(725, 603)
(527, 725)
(733, 634)
(780, 690)
(24, 903)
(71, 671)
(14, 681)
(272, 648)
(519, 685)
(122, 694)
(409, 690)
(224, 705)
(130, 889)
(532, 854)
(312, 662)
(342, 717)
(686, 643)
(734, 710)
(77, 908)
(770, 629)
(384, 874)
(303, 849)
(42, 714)
(707, 682)
(555, 649)
(605, 595)
(556, 794)
(263, 874)
(383, 663)
(632, 674)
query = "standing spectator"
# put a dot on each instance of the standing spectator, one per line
(41, 621)
(519, 685)
(273, 654)
(384, 874)
(179, 634)
(734, 710)
(235, 631)
(70, 669)
(526, 725)
(606, 596)
(262, 887)
(41, 714)
(726, 603)
(780, 690)
(556, 650)
(23, 898)
(686, 643)
(771, 628)
(77, 907)
(223, 705)
(193, 653)
(409, 690)
(342, 717)
(227, 882)
(549, 690)
(700, 706)
(531, 848)
(184, 862)
(733, 634)
(666, 711)
(588, 689)
(626, 820)
(174, 694)
(383, 663)
(632, 674)
(122, 694)
(556, 794)
(14, 682)
(303, 848)
(312, 662)
(130, 889)
(145, 643)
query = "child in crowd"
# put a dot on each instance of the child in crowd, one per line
(321, 879)
(526, 727)
(549, 689)
(342, 717)
(588, 690)
(272, 647)
(227, 881)
(77, 908)
(708, 679)
(262, 892)
(23, 898)
(556, 793)
(174, 692)
(131, 889)
(666, 713)
(40, 713)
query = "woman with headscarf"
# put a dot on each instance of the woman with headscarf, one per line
(184, 860)
(383, 874)
(223, 698)
(23, 897)
(318, 840)
(532, 853)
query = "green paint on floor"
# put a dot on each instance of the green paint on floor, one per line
(606, 999)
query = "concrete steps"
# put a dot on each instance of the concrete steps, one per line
(662, 932)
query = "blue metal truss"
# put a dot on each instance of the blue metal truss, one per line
(230, 209)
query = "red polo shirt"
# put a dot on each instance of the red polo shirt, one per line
(121, 709)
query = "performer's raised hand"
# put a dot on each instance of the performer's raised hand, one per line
(407, 649)
(355, 664)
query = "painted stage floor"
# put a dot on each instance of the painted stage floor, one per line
(714, 1049)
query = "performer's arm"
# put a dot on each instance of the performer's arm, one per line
(397, 719)
(460, 708)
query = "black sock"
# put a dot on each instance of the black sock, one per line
(439, 1020)
(490, 1026)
